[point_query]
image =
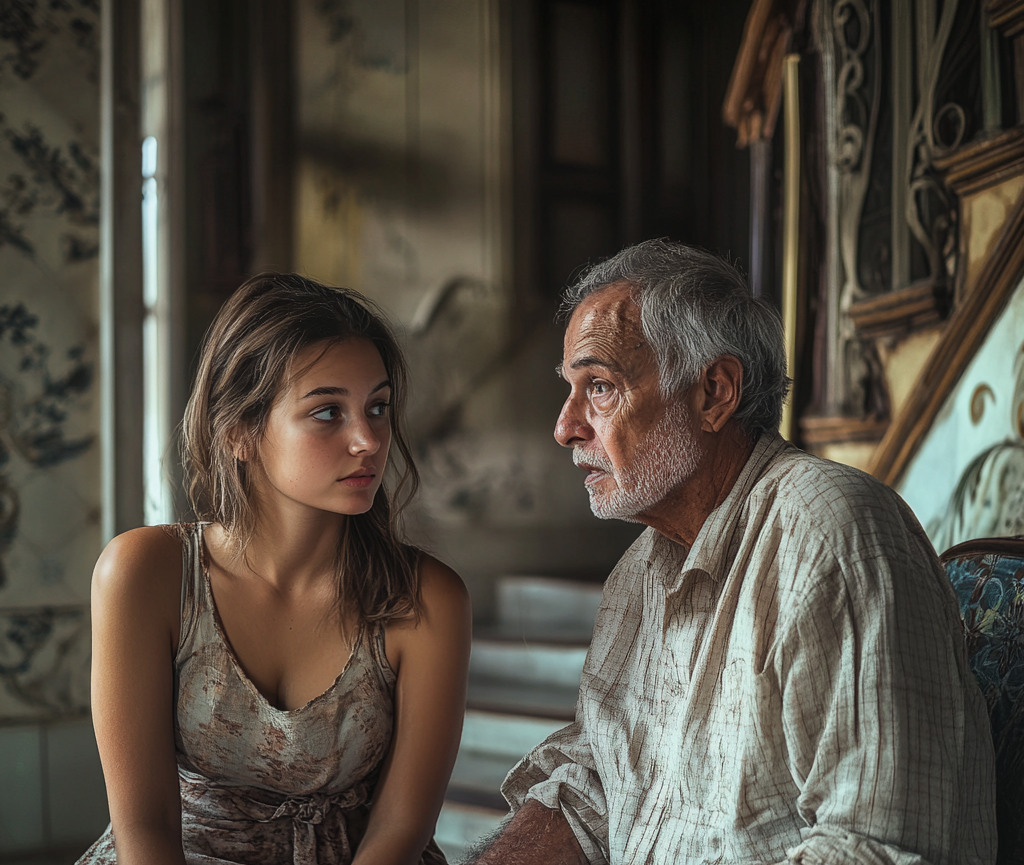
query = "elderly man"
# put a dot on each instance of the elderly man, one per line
(777, 670)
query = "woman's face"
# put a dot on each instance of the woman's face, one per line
(327, 438)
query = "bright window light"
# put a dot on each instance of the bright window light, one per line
(158, 500)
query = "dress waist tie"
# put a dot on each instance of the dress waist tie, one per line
(305, 812)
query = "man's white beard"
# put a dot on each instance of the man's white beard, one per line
(666, 457)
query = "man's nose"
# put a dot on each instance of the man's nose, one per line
(570, 427)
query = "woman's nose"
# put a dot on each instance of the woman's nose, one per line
(364, 440)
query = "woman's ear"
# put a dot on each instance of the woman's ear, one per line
(241, 443)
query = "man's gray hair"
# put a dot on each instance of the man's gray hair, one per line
(694, 308)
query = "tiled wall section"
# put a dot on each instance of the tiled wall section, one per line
(51, 794)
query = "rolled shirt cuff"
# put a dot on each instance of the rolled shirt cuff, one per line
(571, 790)
(831, 845)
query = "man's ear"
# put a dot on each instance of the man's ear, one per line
(721, 392)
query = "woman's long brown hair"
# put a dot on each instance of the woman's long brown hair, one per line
(246, 356)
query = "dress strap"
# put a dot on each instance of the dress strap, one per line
(375, 642)
(191, 579)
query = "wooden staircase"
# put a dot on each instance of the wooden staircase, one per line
(524, 677)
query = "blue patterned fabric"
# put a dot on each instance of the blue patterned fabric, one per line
(988, 577)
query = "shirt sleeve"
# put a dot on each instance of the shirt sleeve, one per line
(560, 774)
(885, 728)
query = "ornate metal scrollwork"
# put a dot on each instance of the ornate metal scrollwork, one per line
(857, 101)
(926, 59)
(852, 26)
(855, 114)
(930, 212)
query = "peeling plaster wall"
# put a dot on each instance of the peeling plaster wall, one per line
(398, 146)
(984, 214)
(51, 794)
(403, 192)
(902, 360)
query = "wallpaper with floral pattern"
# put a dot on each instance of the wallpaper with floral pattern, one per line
(49, 459)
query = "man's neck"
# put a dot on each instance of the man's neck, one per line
(680, 515)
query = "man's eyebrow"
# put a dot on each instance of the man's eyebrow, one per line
(588, 360)
(583, 362)
(329, 390)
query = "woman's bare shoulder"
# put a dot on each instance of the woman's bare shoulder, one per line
(141, 565)
(444, 607)
(440, 585)
(442, 630)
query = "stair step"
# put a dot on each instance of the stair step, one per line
(501, 735)
(543, 633)
(501, 697)
(524, 680)
(539, 601)
(461, 825)
(479, 773)
(476, 779)
(527, 662)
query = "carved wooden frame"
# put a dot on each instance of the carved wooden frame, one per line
(970, 322)
(754, 94)
(1006, 15)
(892, 313)
(984, 164)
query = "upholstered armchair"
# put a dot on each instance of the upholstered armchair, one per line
(988, 577)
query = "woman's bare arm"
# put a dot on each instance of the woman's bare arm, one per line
(136, 592)
(432, 658)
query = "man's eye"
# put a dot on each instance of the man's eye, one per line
(328, 412)
(599, 388)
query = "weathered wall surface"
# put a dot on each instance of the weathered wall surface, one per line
(983, 217)
(50, 794)
(403, 192)
(398, 146)
(967, 479)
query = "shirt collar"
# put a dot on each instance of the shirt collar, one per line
(710, 549)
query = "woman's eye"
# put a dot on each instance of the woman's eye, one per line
(328, 412)
(380, 409)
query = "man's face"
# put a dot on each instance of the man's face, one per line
(637, 447)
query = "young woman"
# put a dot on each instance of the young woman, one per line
(284, 681)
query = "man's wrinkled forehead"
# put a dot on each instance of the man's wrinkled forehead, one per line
(605, 329)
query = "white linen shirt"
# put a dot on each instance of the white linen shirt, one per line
(795, 686)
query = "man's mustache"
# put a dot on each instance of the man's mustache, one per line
(582, 457)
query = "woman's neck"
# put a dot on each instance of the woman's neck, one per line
(292, 552)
